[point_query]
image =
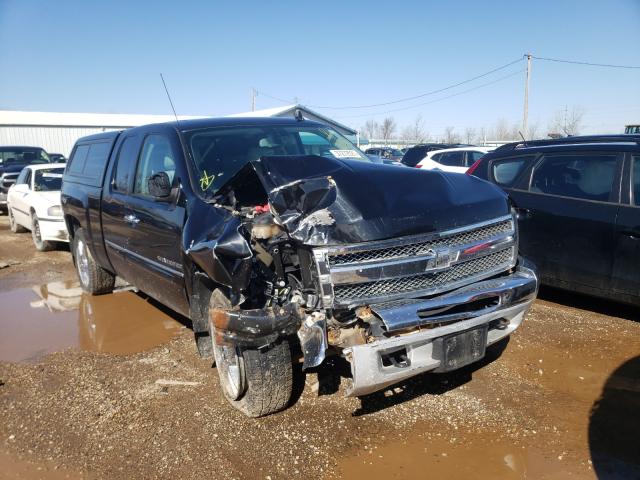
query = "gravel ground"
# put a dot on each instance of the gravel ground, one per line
(557, 401)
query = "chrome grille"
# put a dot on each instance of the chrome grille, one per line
(426, 281)
(7, 180)
(417, 266)
(421, 247)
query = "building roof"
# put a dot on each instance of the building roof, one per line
(63, 119)
(289, 110)
(117, 120)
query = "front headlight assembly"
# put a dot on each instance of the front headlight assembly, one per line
(55, 211)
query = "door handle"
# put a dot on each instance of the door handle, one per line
(523, 213)
(132, 219)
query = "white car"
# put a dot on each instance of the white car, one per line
(456, 160)
(33, 203)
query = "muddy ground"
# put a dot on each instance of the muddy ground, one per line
(123, 395)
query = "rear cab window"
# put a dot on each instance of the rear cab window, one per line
(88, 161)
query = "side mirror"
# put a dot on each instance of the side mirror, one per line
(159, 185)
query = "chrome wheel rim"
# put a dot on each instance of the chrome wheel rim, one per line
(230, 365)
(36, 231)
(82, 262)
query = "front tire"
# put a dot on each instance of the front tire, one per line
(256, 381)
(15, 226)
(41, 245)
(93, 278)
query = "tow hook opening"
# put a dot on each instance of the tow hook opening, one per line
(397, 358)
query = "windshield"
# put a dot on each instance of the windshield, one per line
(48, 179)
(218, 153)
(23, 156)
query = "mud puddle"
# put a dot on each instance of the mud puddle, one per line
(455, 457)
(58, 315)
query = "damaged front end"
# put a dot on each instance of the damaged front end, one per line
(397, 270)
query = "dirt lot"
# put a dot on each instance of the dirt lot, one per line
(123, 395)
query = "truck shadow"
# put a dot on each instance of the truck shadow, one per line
(331, 373)
(587, 302)
(614, 424)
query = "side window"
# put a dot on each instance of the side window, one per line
(27, 178)
(506, 171)
(78, 159)
(125, 164)
(452, 159)
(157, 156)
(585, 176)
(636, 179)
(437, 157)
(96, 159)
(21, 180)
(473, 157)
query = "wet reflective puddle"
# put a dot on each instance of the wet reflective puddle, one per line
(439, 457)
(51, 317)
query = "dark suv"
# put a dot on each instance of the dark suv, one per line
(578, 205)
(12, 161)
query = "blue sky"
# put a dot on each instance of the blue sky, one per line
(82, 56)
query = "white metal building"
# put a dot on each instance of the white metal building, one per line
(56, 132)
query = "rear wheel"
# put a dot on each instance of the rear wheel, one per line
(93, 278)
(256, 381)
(41, 245)
(15, 227)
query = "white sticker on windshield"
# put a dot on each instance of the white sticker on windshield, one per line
(52, 175)
(345, 153)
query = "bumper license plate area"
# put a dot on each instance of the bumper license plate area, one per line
(461, 349)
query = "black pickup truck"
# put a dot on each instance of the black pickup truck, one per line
(279, 239)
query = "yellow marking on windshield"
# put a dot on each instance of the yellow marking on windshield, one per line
(206, 180)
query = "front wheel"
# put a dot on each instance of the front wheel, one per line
(256, 381)
(93, 278)
(41, 245)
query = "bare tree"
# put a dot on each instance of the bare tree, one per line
(370, 129)
(502, 130)
(469, 134)
(450, 136)
(418, 133)
(482, 136)
(388, 128)
(567, 121)
(532, 134)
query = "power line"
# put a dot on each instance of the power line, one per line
(436, 100)
(406, 99)
(576, 62)
(260, 92)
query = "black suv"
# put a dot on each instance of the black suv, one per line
(578, 206)
(12, 160)
(416, 153)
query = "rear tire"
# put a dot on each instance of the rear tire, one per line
(93, 278)
(256, 381)
(41, 245)
(15, 227)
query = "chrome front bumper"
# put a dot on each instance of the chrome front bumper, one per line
(513, 296)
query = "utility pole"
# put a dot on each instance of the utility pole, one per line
(253, 99)
(525, 117)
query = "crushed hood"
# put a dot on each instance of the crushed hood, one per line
(324, 201)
